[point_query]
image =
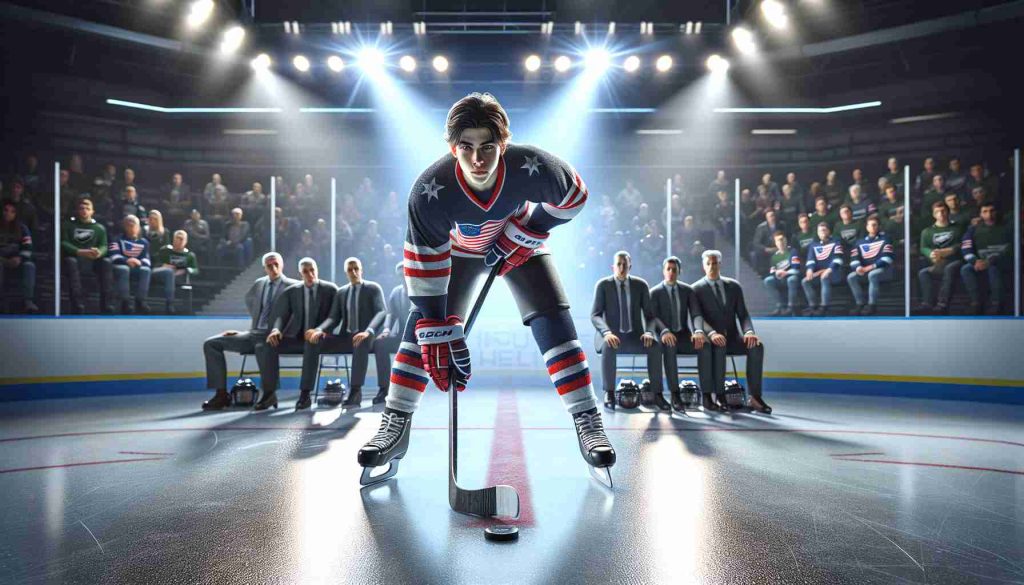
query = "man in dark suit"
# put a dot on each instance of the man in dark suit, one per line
(721, 305)
(358, 313)
(390, 338)
(625, 324)
(302, 306)
(674, 305)
(259, 302)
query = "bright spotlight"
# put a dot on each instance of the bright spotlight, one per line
(199, 12)
(631, 64)
(261, 62)
(440, 64)
(232, 40)
(717, 64)
(532, 63)
(335, 63)
(301, 63)
(744, 41)
(562, 64)
(664, 63)
(597, 60)
(775, 13)
(407, 63)
(370, 58)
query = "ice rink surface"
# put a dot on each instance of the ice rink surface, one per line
(828, 489)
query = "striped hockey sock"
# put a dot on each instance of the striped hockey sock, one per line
(564, 358)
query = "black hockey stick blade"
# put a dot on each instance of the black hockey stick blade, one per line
(603, 475)
(368, 479)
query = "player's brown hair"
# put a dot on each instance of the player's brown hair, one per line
(477, 110)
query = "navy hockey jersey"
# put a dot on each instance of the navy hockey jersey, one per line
(122, 248)
(869, 250)
(822, 255)
(446, 217)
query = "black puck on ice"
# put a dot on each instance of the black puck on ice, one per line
(501, 533)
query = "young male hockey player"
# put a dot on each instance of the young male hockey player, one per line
(871, 259)
(488, 201)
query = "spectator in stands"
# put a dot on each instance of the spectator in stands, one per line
(84, 245)
(652, 245)
(887, 207)
(312, 189)
(129, 204)
(978, 178)
(154, 231)
(725, 213)
(979, 198)
(390, 217)
(307, 247)
(69, 196)
(895, 176)
(883, 183)
(254, 201)
(348, 210)
(847, 230)
(789, 206)
(871, 259)
(894, 228)
(237, 240)
(783, 275)
(198, 231)
(762, 245)
(956, 180)
(987, 247)
(176, 199)
(120, 187)
(675, 211)
(281, 187)
(26, 211)
(957, 212)
(936, 194)
(677, 184)
(16, 255)
(860, 206)
(771, 188)
(174, 264)
(129, 254)
(211, 188)
(858, 179)
(103, 186)
(719, 184)
(834, 192)
(926, 177)
(630, 197)
(816, 190)
(940, 247)
(77, 179)
(799, 193)
(803, 236)
(30, 174)
(823, 268)
(689, 242)
(259, 301)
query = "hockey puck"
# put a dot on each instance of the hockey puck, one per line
(501, 533)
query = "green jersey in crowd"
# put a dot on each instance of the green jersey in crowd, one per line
(77, 235)
(988, 242)
(803, 239)
(848, 233)
(183, 259)
(934, 237)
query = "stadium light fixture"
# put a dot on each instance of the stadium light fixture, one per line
(301, 63)
(407, 63)
(744, 40)
(597, 60)
(774, 12)
(717, 64)
(199, 12)
(440, 63)
(335, 63)
(262, 62)
(532, 63)
(664, 63)
(562, 64)
(631, 64)
(371, 58)
(232, 41)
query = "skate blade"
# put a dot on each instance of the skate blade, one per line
(368, 479)
(603, 475)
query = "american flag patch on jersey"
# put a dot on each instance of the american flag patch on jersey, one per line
(477, 238)
(872, 249)
(823, 252)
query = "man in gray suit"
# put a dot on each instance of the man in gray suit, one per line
(358, 312)
(302, 306)
(259, 302)
(625, 324)
(674, 305)
(390, 337)
(721, 306)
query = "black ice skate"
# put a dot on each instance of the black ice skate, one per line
(387, 447)
(597, 451)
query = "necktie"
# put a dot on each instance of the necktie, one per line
(309, 308)
(353, 309)
(625, 323)
(720, 292)
(675, 309)
(268, 301)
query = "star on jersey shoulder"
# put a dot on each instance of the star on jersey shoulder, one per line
(431, 190)
(532, 165)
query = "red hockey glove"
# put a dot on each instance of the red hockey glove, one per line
(515, 246)
(445, 355)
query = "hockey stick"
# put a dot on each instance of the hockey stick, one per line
(499, 500)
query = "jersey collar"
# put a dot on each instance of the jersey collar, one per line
(495, 191)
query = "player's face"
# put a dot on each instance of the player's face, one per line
(308, 272)
(621, 266)
(712, 267)
(872, 228)
(671, 272)
(272, 267)
(354, 272)
(478, 155)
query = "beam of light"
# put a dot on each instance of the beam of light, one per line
(335, 63)
(924, 118)
(621, 110)
(301, 63)
(597, 60)
(660, 131)
(532, 63)
(249, 132)
(773, 131)
(717, 64)
(261, 62)
(562, 64)
(664, 63)
(631, 64)
(775, 13)
(440, 63)
(370, 59)
(163, 110)
(831, 110)
(199, 12)
(337, 110)
(407, 63)
(744, 40)
(232, 41)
